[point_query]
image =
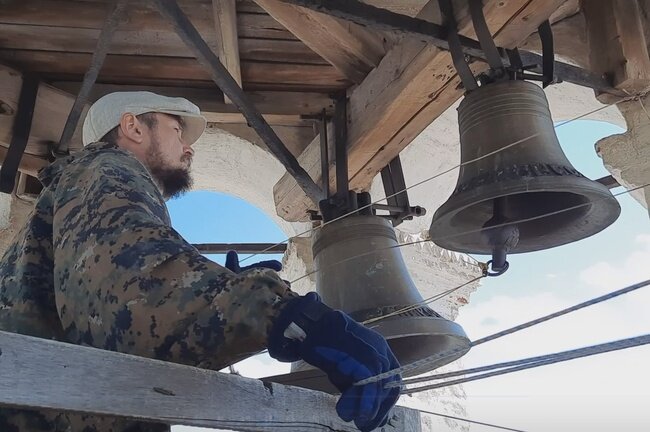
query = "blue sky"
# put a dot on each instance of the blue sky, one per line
(595, 394)
(208, 217)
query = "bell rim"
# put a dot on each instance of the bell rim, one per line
(440, 328)
(603, 204)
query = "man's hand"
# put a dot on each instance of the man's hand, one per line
(346, 351)
(232, 264)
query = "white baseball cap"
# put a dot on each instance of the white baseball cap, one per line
(106, 113)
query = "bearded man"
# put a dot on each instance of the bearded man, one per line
(98, 264)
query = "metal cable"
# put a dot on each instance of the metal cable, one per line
(561, 357)
(469, 421)
(633, 97)
(426, 360)
(530, 360)
(567, 209)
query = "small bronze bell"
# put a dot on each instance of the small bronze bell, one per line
(362, 272)
(527, 180)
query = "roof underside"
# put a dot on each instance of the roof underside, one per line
(56, 38)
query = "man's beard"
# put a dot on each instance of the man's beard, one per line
(173, 182)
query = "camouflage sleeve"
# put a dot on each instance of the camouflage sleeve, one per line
(126, 281)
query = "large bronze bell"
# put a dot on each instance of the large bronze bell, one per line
(529, 179)
(362, 272)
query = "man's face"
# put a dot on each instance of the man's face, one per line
(168, 157)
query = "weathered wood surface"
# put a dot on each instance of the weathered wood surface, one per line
(29, 164)
(50, 114)
(44, 35)
(352, 49)
(414, 83)
(404, 7)
(211, 100)
(225, 23)
(46, 374)
(91, 15)
(145, 42)
(131, 69)
(619, 44)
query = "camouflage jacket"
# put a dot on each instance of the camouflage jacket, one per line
(98, 264)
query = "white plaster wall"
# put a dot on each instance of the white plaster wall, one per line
(228, 164)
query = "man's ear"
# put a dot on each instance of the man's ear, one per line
(131, 128)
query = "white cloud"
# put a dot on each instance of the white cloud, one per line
(604, 275)
(601, 393)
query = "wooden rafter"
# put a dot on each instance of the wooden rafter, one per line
(414, 84)
(225, 23)
(618, 37)
(50, 114)
(283, 111)
(210, 101)
(56, 38)
(353, 50)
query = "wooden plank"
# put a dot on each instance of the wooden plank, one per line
(278, 103)
(29, 164)
(353, 50)
(274, 119)
(412, 86)
(225, 23)
(618, 45)
(146, 42)
(50, 114)
(128, 69)
(404, 7)
(89, 380)
(90, 15)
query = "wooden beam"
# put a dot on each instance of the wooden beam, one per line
(29, 164)
(121, 69)
(414, 84)
(272, 119)
(211, 100)
(350, 48)
(50, 114)
(618, 42)
(91, 14)
(145, 42)
(225, 23)
(93, 381)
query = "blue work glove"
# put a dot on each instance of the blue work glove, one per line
(345, 350)
(232, 264)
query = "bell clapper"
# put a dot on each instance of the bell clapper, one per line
(502, 239)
